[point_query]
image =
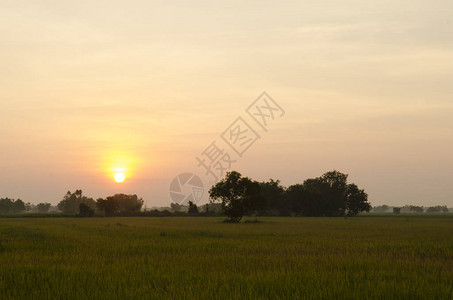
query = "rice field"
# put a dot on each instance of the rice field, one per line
(402, 257)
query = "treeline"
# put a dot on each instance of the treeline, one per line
(76, 204)
(234, 196)
(410, 209)
(11, 206)
(329, 195)
(116, 205)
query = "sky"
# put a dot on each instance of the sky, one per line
(91, 87)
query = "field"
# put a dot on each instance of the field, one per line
(408, 257)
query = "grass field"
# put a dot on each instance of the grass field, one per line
(277, 258)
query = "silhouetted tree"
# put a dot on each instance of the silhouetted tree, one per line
(356, 200)
(85, 210)
(18, 206)
(109, 207)
(385, 208)
(397, 210)
(417, 209)
(5, 204)
(43, 207)
(176, 207)
(28, 206)
(381, 208)
(213, 208)
(310, 198)
(297, 198)
(328, 195)
(120, 204)
(336, 203)
(193, 209)
(71, 202)
(11, 206)
(239, 195)
(318, 202)
(274, 197)
(437, 209)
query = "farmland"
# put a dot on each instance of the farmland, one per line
(184, 257)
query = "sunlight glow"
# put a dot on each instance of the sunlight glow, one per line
(119, 165)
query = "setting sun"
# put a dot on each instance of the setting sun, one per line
(119, 165)
(119, 177)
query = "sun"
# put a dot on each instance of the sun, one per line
(119, 177)
(119, 174)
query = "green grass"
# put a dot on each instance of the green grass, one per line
(276, 258)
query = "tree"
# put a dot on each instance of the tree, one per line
(239, 195)
(109, 207)
(356, 200)
(11, 206)
(28, 206)
(120, 204)
(314, 198)
(212, 208)
(18, 206)
(295, 195)
(316, 202)
(193, 209)
(380, 209)
(6, 205)
(275, 200)
(176, 207)
(437, 209)
(335, 192)
(417, 209)
(71, 202)
(329, 195)
(43, 207)
(85, 210)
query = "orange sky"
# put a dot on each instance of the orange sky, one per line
(148, 85)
